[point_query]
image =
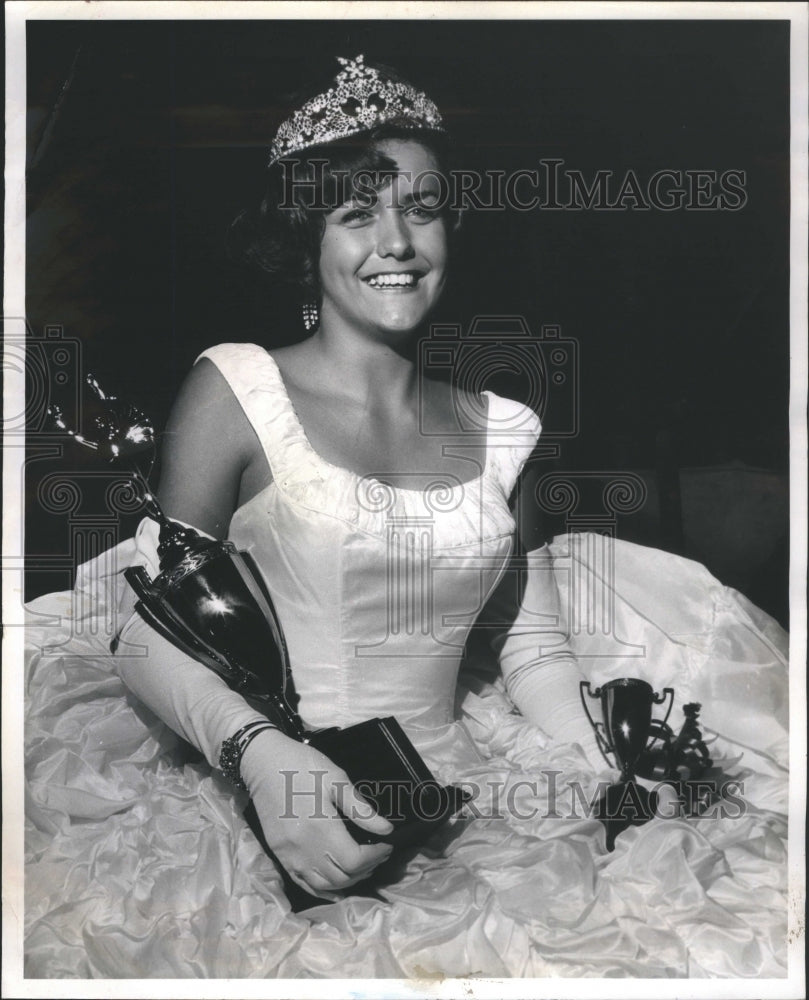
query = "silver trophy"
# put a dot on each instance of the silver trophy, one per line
(639, 745)
(626, 709)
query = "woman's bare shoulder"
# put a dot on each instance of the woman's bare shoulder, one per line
(205, 399)
(206, 447)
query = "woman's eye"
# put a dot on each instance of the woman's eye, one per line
(422, 213)
(356, 216)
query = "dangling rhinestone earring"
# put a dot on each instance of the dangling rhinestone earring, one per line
(310, 315)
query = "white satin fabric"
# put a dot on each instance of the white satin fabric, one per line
(140, 865)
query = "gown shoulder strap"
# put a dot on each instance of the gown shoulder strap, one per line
(256, 382)
(512, 432)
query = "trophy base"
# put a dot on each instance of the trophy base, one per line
(625, 804)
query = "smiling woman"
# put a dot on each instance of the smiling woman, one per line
(381, 507)
(383, 267)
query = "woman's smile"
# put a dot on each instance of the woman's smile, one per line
(397, 281)
(383, 259)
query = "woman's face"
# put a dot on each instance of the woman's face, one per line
(383, 258)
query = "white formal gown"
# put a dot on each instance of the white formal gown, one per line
(139, 863)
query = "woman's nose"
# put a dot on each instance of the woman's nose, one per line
(393, 235)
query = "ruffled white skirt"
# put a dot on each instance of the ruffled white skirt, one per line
(139, 863)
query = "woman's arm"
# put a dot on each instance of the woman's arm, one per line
(540, 670)
(541, 673)
(205, 451)
(209, 447)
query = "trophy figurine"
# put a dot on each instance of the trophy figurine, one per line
(638, 745)
(211, 601)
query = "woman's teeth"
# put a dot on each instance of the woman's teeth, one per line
(391, 280)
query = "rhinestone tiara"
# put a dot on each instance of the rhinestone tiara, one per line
(360, 99)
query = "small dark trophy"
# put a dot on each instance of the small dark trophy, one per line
(642, 746)
(210, 600)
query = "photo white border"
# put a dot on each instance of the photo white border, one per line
(17, 13)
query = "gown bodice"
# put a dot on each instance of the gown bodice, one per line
(376, 586)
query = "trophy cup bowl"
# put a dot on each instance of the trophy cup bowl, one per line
(642, 745)
(626, 708)
(212, 603)
(624, 732)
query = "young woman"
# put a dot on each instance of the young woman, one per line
(378, 504)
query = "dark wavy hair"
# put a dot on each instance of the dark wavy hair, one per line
(281, 237)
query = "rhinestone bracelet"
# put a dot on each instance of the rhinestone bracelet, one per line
(233, 748)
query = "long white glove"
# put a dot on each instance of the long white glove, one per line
(279, 772)
(540, 671)
(191, 699)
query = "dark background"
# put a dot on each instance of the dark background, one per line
(146, 139)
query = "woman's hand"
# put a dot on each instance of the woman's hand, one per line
(297, 792)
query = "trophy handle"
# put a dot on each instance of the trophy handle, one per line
(603, 746)
(660, 698)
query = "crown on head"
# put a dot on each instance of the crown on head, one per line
(360, 99)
